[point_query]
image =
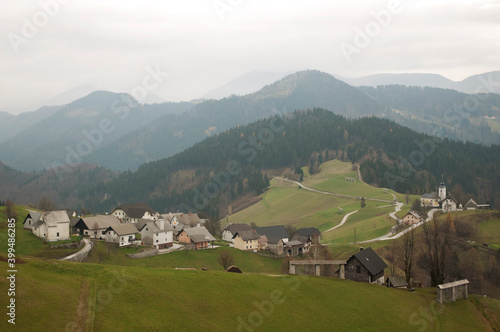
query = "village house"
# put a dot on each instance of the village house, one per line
(134, 212)
(246, 240)
(30, 219)
(307, 236)
(472, 205)
(411, 218)
(230, 231)
(51, 225)
(95, 226)
(449, 204)
(197, 236)
(123, 234)
(186, 219)
(159, 233)
(430, 200)
(365, 266)
(311, 233)
(277, 237)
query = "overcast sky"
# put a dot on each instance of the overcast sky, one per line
(110, 44)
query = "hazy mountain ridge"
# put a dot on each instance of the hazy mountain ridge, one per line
(482, 83)
(172, 134)
(73, 131)
(140, 133)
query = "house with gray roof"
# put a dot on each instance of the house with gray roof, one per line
(123, 234)
(277, 237)
(134, 212)
(159, 233)
(198, 236)
(230, 231)
(52, 226)
(246, 240)
(96, 226)
(365, 266)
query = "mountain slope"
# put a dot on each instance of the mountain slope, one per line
(245, 84)
(486, 83)
(385, 150)
(67, 134)
(169, 134)
(446, 113)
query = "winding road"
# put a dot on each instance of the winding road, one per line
(388, 236)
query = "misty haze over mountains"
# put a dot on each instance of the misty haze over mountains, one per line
(138, 133)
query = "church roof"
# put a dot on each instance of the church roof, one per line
(432, 195)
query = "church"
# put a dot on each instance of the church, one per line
(439, 199)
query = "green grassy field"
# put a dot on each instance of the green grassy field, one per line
(58, 296)
(284, 203)
(246, 261)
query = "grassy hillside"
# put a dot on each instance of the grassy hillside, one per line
(284, 203)
(246, 261)
(26, 242)
(90, 297)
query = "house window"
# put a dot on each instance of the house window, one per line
(156, 241)
(57, 234)
(103, 232)
(358, 269)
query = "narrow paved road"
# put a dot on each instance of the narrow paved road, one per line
(81, 253)
(334, 194)
(390, 236)
(342, 222)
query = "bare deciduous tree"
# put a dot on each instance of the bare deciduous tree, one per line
(225, 259)
(435, 242)
(407, 253)
(9, 209)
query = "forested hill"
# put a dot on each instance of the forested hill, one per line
(221, 168)
(443, 112)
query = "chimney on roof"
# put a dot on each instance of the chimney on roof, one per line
(190, 214)
(361, 249)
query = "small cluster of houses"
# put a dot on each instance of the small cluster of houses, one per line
(139, 224)
(273, 239)
(447, 202)
(126, 225)
(443, 200)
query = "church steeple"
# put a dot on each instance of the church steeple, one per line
(442, 189)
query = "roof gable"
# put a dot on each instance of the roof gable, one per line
(235, 228)
(273, 232)
(247, 235)
(52, 218)
(370, 260)
(310, 231)
(123, 229)
(100, 221)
